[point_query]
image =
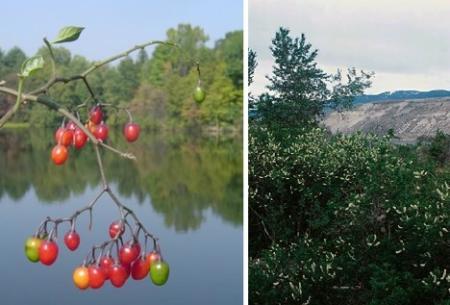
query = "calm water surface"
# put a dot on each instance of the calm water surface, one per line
(187, 190)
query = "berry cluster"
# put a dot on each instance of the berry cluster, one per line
(72, 135)
(101, 266)
(96, 269)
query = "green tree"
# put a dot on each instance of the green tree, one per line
(252, 63)
(231, 49)
(14, 59)
(166, 60)
(299, 90)
(10, 63)
(224, 102)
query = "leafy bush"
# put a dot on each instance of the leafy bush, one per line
(345, 220)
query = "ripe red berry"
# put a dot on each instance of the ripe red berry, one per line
(72, 240)
(137, 247)
(71, 125)
(101, 132)
(127, 269)
(96, 115)
(48, 252)
(117, 227)
(59, 154)
(79, 138)
(58, 134)
(105, 264)
(140, 268)
(96, 277)
(131, 131)
(66, 138)
(118, 275)
(128, 253)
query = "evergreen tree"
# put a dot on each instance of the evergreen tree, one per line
(300, 91)
(251, 72)
(251, 65)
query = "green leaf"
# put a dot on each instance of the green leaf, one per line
(68, 33)
(31, 65)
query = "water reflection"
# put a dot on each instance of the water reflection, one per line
(182, 175)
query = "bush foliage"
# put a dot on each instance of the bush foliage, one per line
(345, 220)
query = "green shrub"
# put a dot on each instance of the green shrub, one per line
(345, 220)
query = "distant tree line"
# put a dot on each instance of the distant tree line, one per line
(158, 87)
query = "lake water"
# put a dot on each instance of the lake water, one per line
(187, 190)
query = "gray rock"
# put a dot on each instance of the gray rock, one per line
(409, 119)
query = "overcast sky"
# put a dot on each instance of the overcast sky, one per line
(405, 42)
(112, 26)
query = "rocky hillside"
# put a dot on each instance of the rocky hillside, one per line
(409, 119)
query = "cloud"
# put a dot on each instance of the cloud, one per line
(406, 43)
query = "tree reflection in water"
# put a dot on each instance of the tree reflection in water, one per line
(182, 175)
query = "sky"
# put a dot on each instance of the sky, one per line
(405, 42)
(112, 26)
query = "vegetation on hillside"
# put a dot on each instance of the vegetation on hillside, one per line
(159, 86)
(337, 219)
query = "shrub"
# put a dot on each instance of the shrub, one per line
(345, 220)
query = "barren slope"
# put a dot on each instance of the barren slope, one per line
(409, 119)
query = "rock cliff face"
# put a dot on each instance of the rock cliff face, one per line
(409, 119)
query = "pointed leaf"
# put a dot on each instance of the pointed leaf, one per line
(31, 65)
(68, 33)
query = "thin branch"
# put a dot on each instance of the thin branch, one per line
(124, 54)
(97, 65)
(122, 154)
(261, 219)
(52, 57)
(71, 218)
(100, 167)
(25, 97)
(131, 213)
(50, 103)
(91, 92)
(13, 109)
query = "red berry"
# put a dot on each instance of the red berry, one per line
(79, 138)
(128, 253)
(96, 115)
(71, 125)
(66, 138)
(48, 252)
(118, 275)
(101, 132)
(115, 228)
(96, 277)
(127, 269)
(131, 131)
(58, 134)
(137, 247)
(140, 268)
(105, 264)
(72, 240)
(59, 154)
